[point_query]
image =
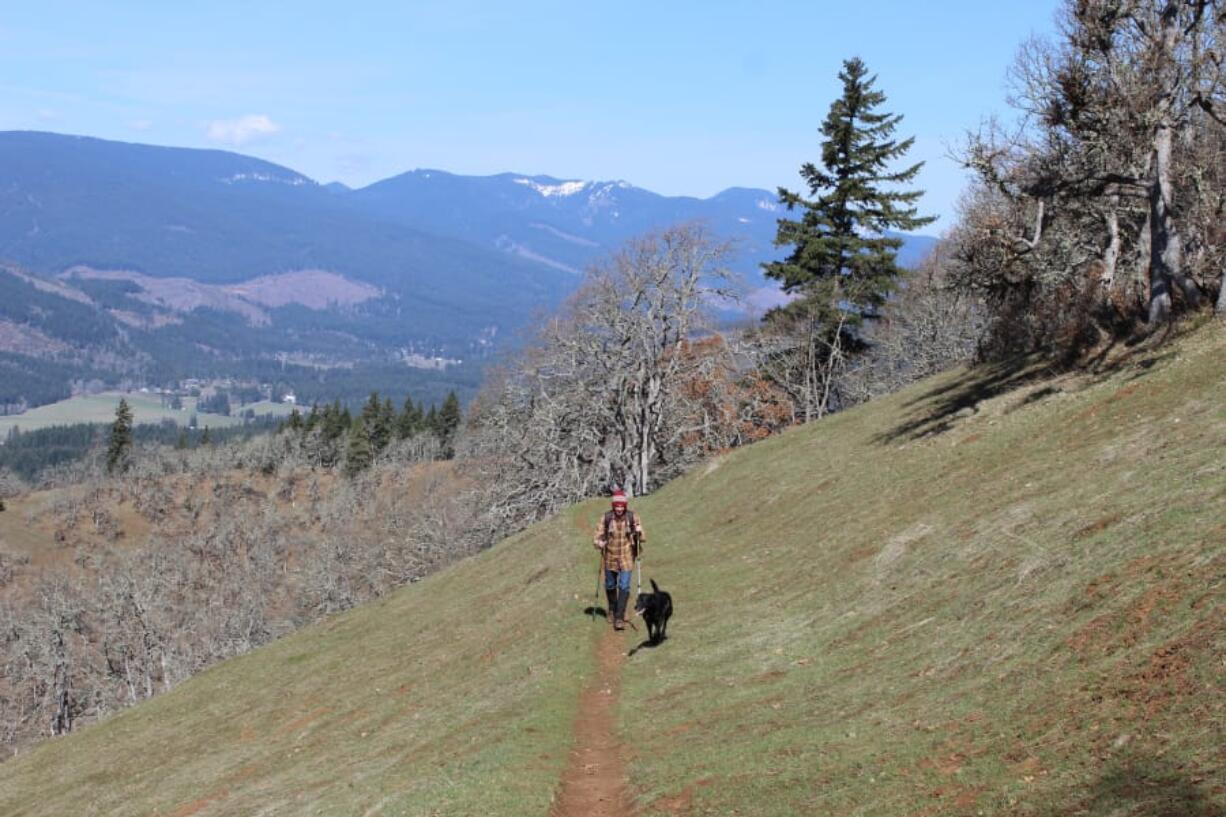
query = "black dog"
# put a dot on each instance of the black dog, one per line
(655, 608)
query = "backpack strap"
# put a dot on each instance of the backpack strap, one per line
(608, 519)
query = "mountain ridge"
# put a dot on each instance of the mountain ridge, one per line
(446, 264)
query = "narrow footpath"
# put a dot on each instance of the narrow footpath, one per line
(594, 783)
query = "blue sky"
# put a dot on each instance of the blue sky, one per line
(678, 97)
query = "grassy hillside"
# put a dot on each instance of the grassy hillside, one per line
(987, 594)
(998, 592)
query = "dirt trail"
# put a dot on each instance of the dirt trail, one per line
(594, 783)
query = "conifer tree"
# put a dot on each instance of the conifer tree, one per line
(312, 419)
(358, 452)
(206, 438)
(119, 446)
(842, 260)
(335, 421)
(410, 420)
(387, 418)
(430, 422)
(378, 426)
(449, 418)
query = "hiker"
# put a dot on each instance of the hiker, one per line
(619, 537)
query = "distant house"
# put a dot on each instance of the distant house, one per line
(290, 398)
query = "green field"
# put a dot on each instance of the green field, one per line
(998, 592)
(147, 408)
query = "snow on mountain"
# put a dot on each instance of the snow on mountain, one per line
(550, 190)
(293, 181)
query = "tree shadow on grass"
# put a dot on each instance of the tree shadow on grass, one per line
(960, 398)
(1141, 785)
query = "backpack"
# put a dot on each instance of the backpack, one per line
(634, 534)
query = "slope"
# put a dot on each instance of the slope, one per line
(444, 698)
(1000, 591)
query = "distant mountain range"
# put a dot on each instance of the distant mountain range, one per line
(567, 224)
(195, 257)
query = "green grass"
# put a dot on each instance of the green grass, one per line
(997, 592)
(1023, 613)
(147, 408)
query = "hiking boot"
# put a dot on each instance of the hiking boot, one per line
(619, 622)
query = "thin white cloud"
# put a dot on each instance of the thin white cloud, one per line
(240, 131)
(766, 298)
(140, 124)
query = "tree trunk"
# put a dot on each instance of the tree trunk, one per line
(1221, 295)
(1166, 246)
(61, 689)
(834, 363)
(1165, 252)
(1111, 254)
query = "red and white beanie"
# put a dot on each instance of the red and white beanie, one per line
(619, 498)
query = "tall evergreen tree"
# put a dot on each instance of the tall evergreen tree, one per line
(410, 420)
(387, 418)
(119, 446)
(842, 260)
(313, 419)
(377, 424)
(449, 418)
(430, 422)
(358, 451)
(335, 421)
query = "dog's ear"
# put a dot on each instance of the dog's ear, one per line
(654, 586)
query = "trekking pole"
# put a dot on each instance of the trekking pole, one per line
(599, 576)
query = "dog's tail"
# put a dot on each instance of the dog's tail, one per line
(655, 588)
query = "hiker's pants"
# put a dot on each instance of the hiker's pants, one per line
(617, 578)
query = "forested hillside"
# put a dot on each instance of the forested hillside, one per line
(126, 261)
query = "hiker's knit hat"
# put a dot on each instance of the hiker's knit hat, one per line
(619, 498)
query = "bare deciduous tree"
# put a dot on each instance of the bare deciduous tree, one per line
(595, 400)
(1103, 204)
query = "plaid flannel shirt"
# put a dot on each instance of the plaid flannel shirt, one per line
(619, 551)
